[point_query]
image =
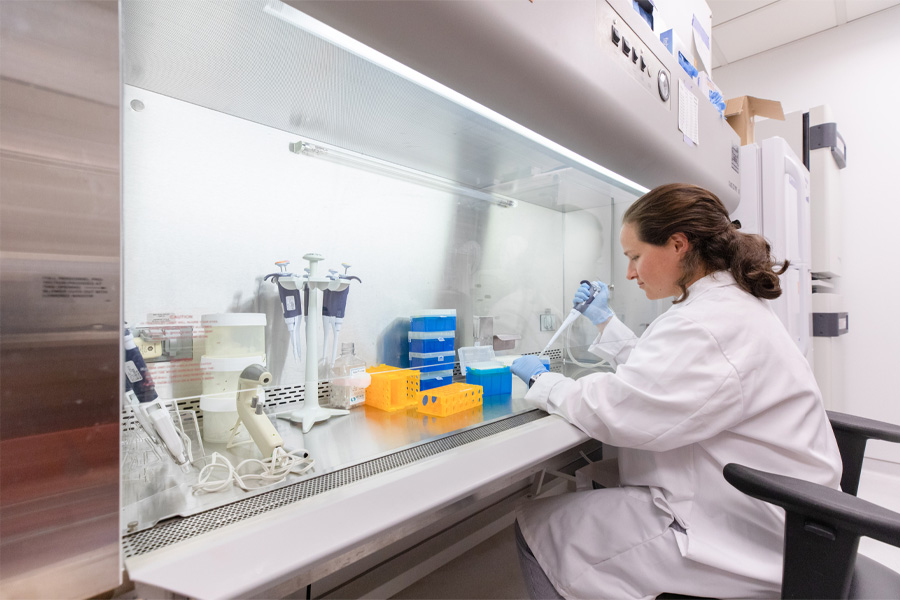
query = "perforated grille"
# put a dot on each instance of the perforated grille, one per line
(179, 529)
(278, 399)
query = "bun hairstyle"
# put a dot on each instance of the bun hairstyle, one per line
(715, 242)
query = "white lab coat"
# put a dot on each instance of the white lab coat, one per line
(715, 379)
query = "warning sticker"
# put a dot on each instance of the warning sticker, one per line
(60, 286)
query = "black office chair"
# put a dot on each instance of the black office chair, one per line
(823, 526)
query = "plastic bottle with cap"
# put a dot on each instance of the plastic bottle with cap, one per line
(349, 379)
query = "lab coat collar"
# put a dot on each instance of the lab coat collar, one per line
(711, 281)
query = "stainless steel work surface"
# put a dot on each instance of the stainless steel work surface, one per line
(366, 435)
(302, 542)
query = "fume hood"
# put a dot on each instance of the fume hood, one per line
(467, 155)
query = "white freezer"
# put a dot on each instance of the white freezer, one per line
(775, 204)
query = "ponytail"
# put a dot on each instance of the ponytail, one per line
(716, 244)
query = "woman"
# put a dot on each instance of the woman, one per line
(715, 379)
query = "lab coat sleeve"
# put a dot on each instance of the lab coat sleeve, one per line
(615, 342)
(677, 388)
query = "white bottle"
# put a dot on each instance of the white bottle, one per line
(349, 379)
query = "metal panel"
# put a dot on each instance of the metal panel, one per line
(224, 55)
(59, 299)
(553, 67)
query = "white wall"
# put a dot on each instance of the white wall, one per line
(853, 69)
(211, 201)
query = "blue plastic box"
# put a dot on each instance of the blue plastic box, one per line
(442, 322)
(426, 342)
(435, 379)
(493, 377)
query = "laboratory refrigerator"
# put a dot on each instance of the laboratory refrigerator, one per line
(775, 204)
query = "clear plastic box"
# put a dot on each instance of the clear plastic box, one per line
(435, 379)
(431, 341)
(235, 334)
(431, 361)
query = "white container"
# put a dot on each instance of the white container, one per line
(219, 399)
(235, 334)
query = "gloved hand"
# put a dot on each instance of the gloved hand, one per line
(597, 311)
(527, 367)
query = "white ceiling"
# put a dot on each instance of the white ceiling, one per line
(742, 28)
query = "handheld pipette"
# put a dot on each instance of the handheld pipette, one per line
(162, 421)
(149, 410)
(334, 305)
(290, 303)
(576, 311)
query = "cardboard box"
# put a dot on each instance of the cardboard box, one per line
(739, 112)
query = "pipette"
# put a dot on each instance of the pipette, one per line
(290, 303)
(334, 306)
(576, 311)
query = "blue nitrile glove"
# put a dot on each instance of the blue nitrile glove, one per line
(718, 101)
(527, 367)
(597, 311)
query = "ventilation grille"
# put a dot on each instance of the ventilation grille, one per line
(278, 399)
(180, 529)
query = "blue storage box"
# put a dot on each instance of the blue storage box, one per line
(426, 342)
(493, 377)
(434, 321)
(435, 379)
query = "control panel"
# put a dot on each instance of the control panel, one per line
(617, 38)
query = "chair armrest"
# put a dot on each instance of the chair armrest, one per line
(832, 507)
(862, 427)
(852, 433)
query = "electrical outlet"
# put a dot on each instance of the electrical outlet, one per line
(149, 348)
(546, 322)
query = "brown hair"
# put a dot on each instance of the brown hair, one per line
(715, 243)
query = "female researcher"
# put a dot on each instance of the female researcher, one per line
(715, 379)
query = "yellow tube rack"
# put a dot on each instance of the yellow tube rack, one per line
(392, 388)
(449, 399)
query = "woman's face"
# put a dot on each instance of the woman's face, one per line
(657, 269)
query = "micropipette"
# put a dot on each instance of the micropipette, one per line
(576, 311)
(290, 303)
(335, 305)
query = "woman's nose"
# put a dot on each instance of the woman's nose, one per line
(631, 273)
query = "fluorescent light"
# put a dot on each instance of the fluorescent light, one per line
(288, 14)
(382, 167)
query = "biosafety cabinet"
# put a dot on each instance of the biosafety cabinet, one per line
(430, 160)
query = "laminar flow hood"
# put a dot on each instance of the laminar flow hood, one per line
(519, 101)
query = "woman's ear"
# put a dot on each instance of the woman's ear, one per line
(680, 243)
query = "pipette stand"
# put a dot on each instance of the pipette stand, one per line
(312, 413)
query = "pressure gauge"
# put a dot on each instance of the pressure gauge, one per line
(663, 81)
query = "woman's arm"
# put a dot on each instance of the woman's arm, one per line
(676, 388)
(614, 343)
